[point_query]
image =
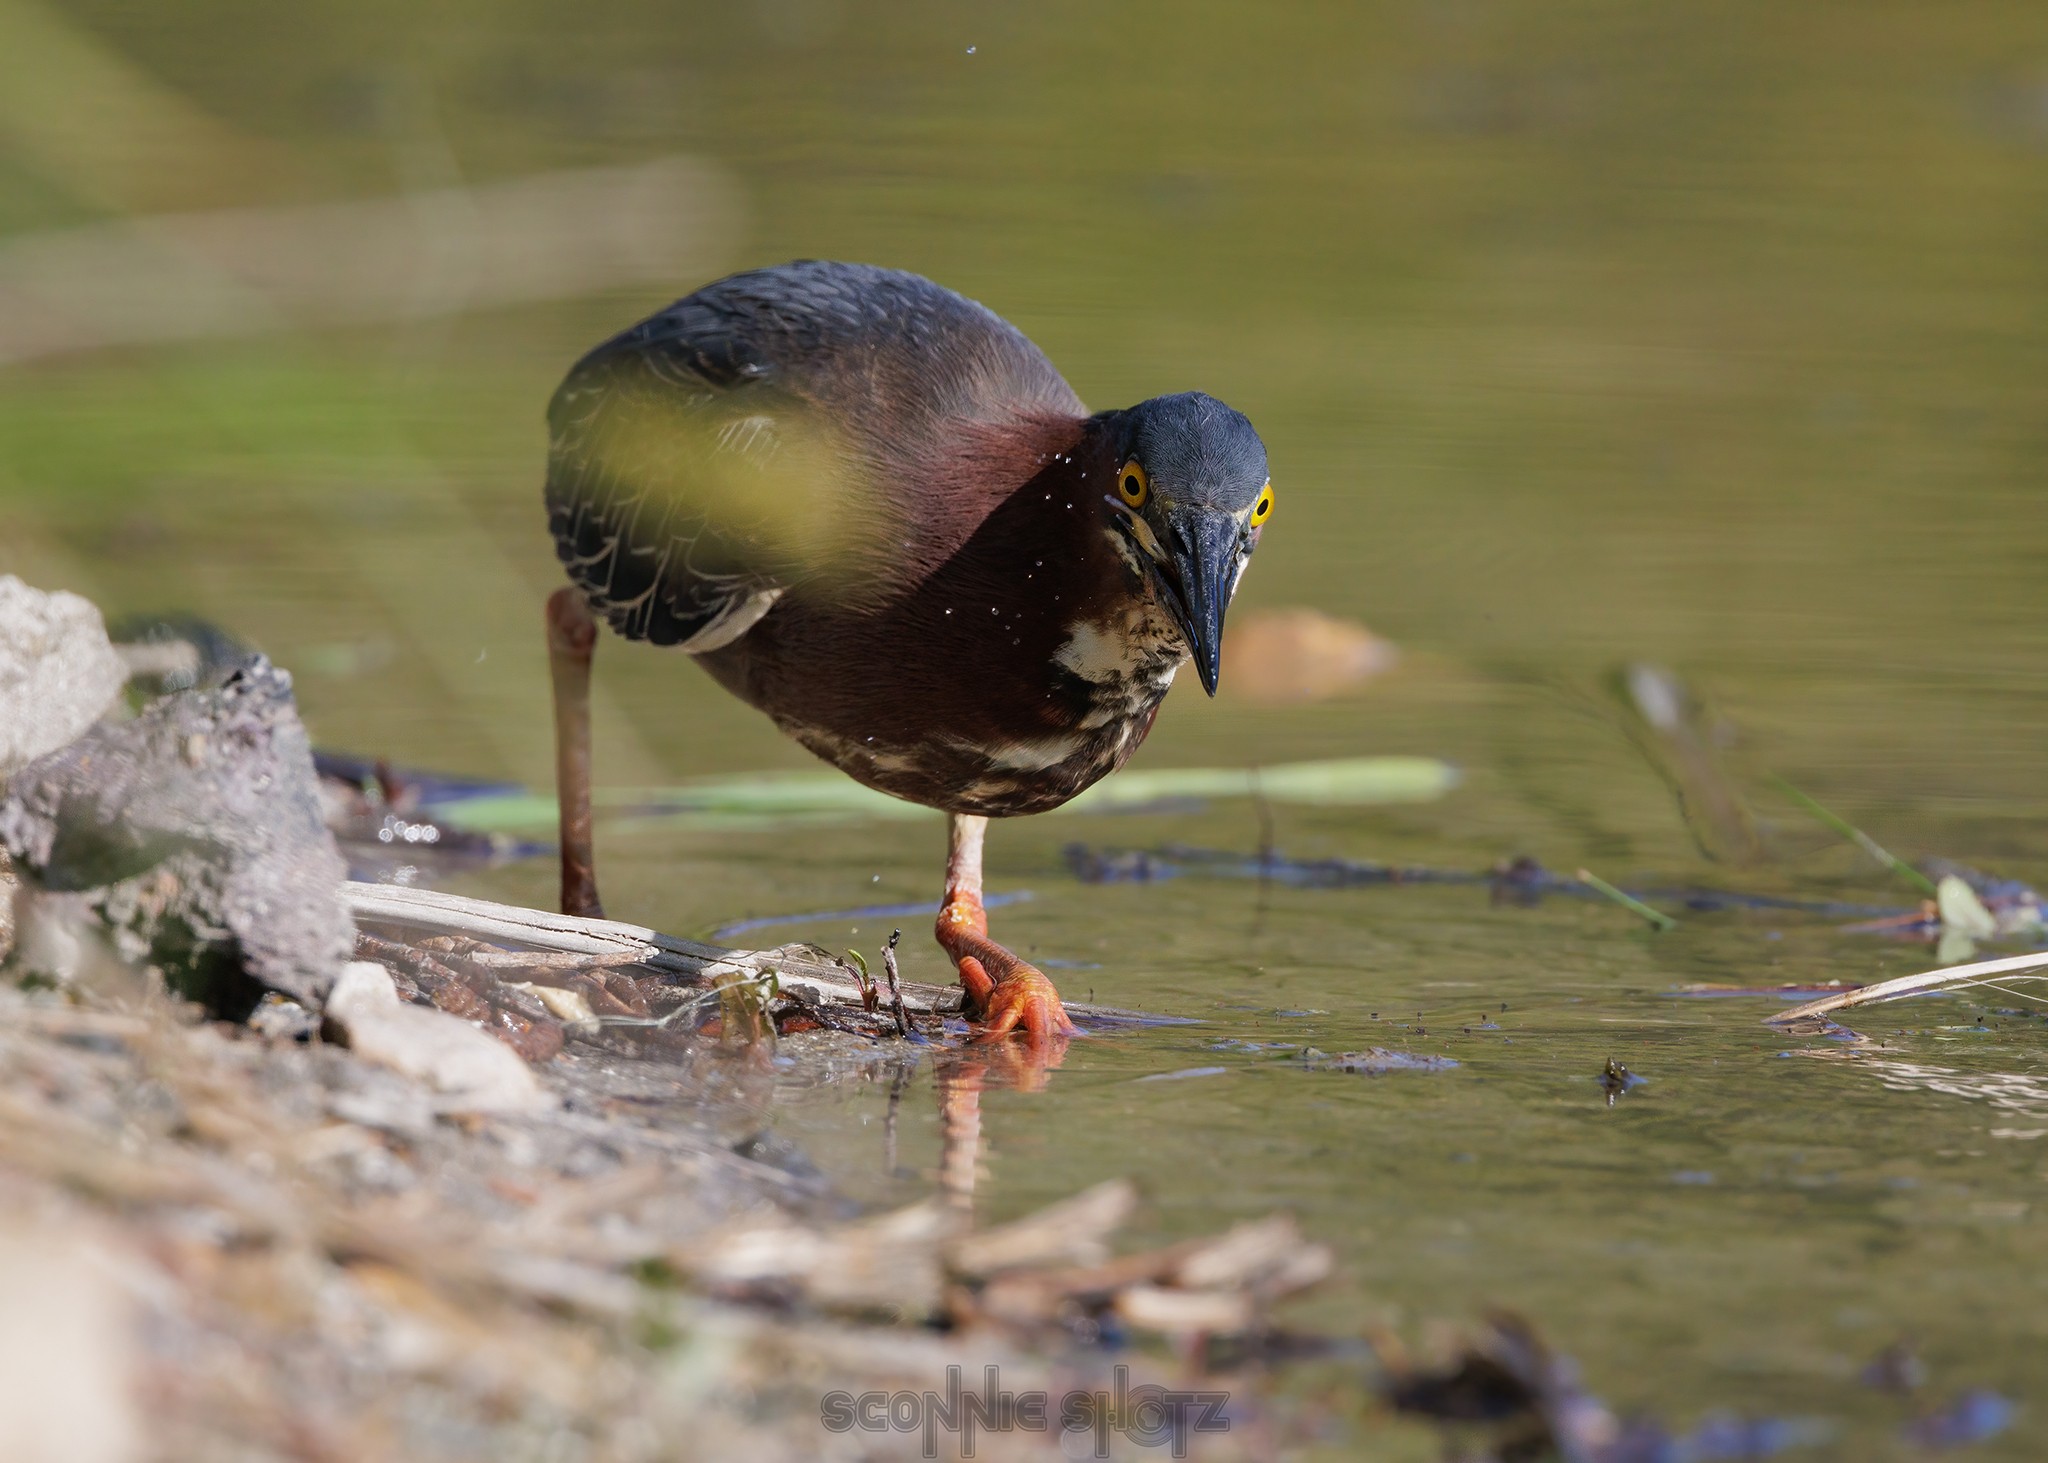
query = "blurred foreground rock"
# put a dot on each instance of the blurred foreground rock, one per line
(191, 837)
(58, 673)
(473, 1072)
(67, 1351)
(294, 1254)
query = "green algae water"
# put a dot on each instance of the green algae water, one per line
(1710, 338)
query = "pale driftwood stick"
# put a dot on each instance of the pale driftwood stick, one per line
(1950, 977)
(536, 960)
(429, 912)
(451, 914)
(511, 924)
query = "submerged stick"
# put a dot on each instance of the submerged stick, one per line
(516, 925)
(1948, 978)
(687, 962)
(1861, 839)
(1657, 918)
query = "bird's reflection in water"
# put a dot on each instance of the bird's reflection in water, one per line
(963, 1074)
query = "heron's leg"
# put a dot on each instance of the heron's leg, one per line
(572, 636)
(1003, 992)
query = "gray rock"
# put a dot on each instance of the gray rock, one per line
(195, 832)
(58, 674)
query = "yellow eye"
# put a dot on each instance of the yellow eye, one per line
(1263, 509)
(1133, 484)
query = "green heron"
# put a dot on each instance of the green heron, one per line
(872, 509)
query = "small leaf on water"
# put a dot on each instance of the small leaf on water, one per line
(1961, 909)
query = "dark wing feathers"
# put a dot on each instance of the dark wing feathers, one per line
(665, 443)
(649, 558)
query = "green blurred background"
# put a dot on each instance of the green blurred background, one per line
(1709, 334)
(1700, 333)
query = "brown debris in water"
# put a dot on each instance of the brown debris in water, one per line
(1505, 1377)
(1280, 657)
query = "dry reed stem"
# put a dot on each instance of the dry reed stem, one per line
(1948, 978)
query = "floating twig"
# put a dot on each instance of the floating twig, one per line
(1656, 917)
(1948, 978)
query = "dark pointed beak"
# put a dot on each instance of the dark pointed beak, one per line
(1203, 546)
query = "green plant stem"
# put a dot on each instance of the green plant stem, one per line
(1656, 917)
(1861, 839)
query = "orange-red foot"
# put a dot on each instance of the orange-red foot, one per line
(1023, 1001)
(1004, 994)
